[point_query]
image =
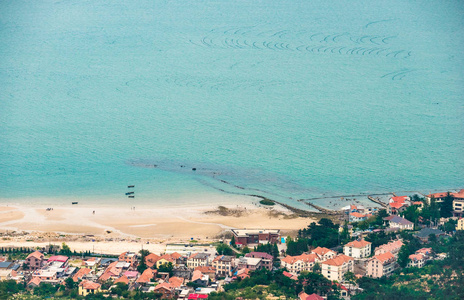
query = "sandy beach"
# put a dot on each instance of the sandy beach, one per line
(117, 229)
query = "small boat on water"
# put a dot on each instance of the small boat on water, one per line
(131, 196)
(73, 203)
(129, 193)
(131, 186)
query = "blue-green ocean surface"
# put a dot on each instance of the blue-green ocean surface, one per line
(286, 99)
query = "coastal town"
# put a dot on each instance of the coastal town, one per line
(326, 260)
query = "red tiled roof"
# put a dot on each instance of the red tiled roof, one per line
(35, 280)
(399, 199)
(438, 195)
(322, 251)
(89, 285)
(151, 259)
(122, 279)
(289, 275)
(358, 244)
(35, 254)
(176, 255)
(205, 269)
(459, 194)
(164, 285)
(384, 257)
(416, 257)
(80, 274)
(197, 296)
(396, 204)
(303, 257)
(338, 260)
(176, 281)
(146, 276)
(358, 215)
(196, 275)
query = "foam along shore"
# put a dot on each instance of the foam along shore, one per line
(157, 224)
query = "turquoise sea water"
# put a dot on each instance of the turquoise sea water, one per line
(286, 99)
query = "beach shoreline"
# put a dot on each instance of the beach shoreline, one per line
(115, 227)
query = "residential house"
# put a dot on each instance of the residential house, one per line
(399, 222)
(381, 265)
(256, 236)
(358, 217)
(324, 253)
(416, 260)
(129, 257)
(207, 270)
(249, 263)
(35, 260)
(5, 274)
(425, 233)
(198, 259)
(392, 247)
(337, 267)
(81, 273)
(304, 296)
(34, 282)
(439, 197)
(358, 249)
(146, 276)
(303, 262)
(88, 287)
(223, 265)
(200, 279)
(167, 290)
(290, 275)
(243, 273)
(426, 252)
(177, 282)
(266, 259)
(151, 259)
(398, 204)
(182, 271)
(122, 279)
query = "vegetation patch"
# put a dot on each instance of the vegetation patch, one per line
(267, 202)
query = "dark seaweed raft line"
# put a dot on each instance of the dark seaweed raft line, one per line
(334, 43)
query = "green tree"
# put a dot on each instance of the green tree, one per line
(70, 284)
(223, 249)
(143, 264)
(403, 256)
(65, 249)
(232, 241)
(446, 207)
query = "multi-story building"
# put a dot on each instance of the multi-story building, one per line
(198, 259)
(250, 263)
(256, 236)
(416, 260)
(336, 268)
(392, 247)
(266, 259)
(129, 257)
(381, 265)
(358, 249)
(296, 264)
(88, 287)
(324, 253)
(399, 222)
(35, 260)
(460, 225)
(223, 264)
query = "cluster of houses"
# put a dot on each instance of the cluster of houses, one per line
(192, 276)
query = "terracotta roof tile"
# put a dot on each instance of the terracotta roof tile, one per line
(338, 260)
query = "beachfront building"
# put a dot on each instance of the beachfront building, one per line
(416, 260)
(266, 259)
(460, 225)
(198, 259)
(392, 247)
(256, 236)
(358, 249)
(337, 267)
(381, 265)
(88, 287)
(223, 265)
(358, 217)
(439, 197)
(35, 260)
(399, 222)
(324, 253)
(296, 264)
(458, 203)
